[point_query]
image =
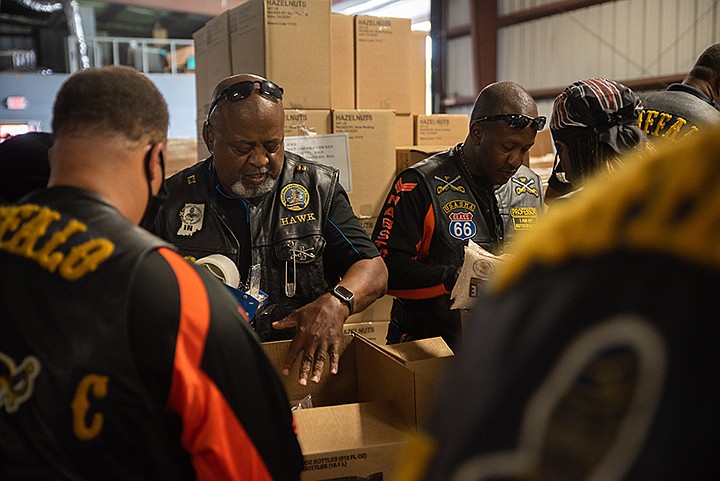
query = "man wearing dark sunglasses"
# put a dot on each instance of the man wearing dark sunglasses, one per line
(478, 190)
(257, 204)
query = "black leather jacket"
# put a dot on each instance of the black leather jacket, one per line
(286, 231)
(677, 112)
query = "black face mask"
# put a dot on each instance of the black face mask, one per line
(154, 201)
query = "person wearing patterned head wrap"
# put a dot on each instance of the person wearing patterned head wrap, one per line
(593, 123)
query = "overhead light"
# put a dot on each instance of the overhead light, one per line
(416, 10)
(366, 6)
(422, 26)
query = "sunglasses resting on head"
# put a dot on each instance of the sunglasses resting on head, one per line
(516, 121)
(245, 89)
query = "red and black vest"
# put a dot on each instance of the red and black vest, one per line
(464, 211)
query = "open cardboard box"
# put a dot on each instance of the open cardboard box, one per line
(360, 416)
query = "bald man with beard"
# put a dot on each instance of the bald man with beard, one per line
(257, 204)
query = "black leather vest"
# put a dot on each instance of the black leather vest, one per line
(75, 355)
(286, 231)
(464, 211)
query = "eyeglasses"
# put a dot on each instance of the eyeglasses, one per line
(245, 89)
(517, 121)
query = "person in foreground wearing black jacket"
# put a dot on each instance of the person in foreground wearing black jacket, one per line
(256, 204)
(478, 190)
(592, 355)
(118, 359)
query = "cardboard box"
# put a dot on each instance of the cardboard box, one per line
(404, 134)
(202, 150)
(375, 331)
(288, 43)
(405, 156)
(543, 143)
(180, 154)
(382, 47)
(307, 122)
(343, 61)
(360, 416)
(405, 374)
(418, 73)
(212, 58)
(353, 441)
(441, 129)
(371, 134)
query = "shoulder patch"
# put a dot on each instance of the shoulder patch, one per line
(404, 187)
(524, 185)
(191, 219)
(17, 383)
(447, 184)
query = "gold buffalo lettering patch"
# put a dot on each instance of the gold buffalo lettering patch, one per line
(524, 218)
(294, 197)
(56, 243)
(662, 124)
(17, 382)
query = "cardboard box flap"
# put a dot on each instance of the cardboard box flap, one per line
(409, 352)
(350, 426)
(384, 378)
(415, 367)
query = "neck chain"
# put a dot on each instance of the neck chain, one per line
(463, 161)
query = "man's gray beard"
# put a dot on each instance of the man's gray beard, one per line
(250, 192)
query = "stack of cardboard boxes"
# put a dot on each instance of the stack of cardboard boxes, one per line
(359, 75)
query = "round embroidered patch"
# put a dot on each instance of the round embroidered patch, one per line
(294, 197)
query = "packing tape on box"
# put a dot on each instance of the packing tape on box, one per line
(221, 267)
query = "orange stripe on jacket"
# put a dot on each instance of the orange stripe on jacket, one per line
(421, 293)
(423, 246)
(218, 444)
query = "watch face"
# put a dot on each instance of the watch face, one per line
(343, 292)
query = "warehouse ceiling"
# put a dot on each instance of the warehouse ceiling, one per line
(136, 18)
